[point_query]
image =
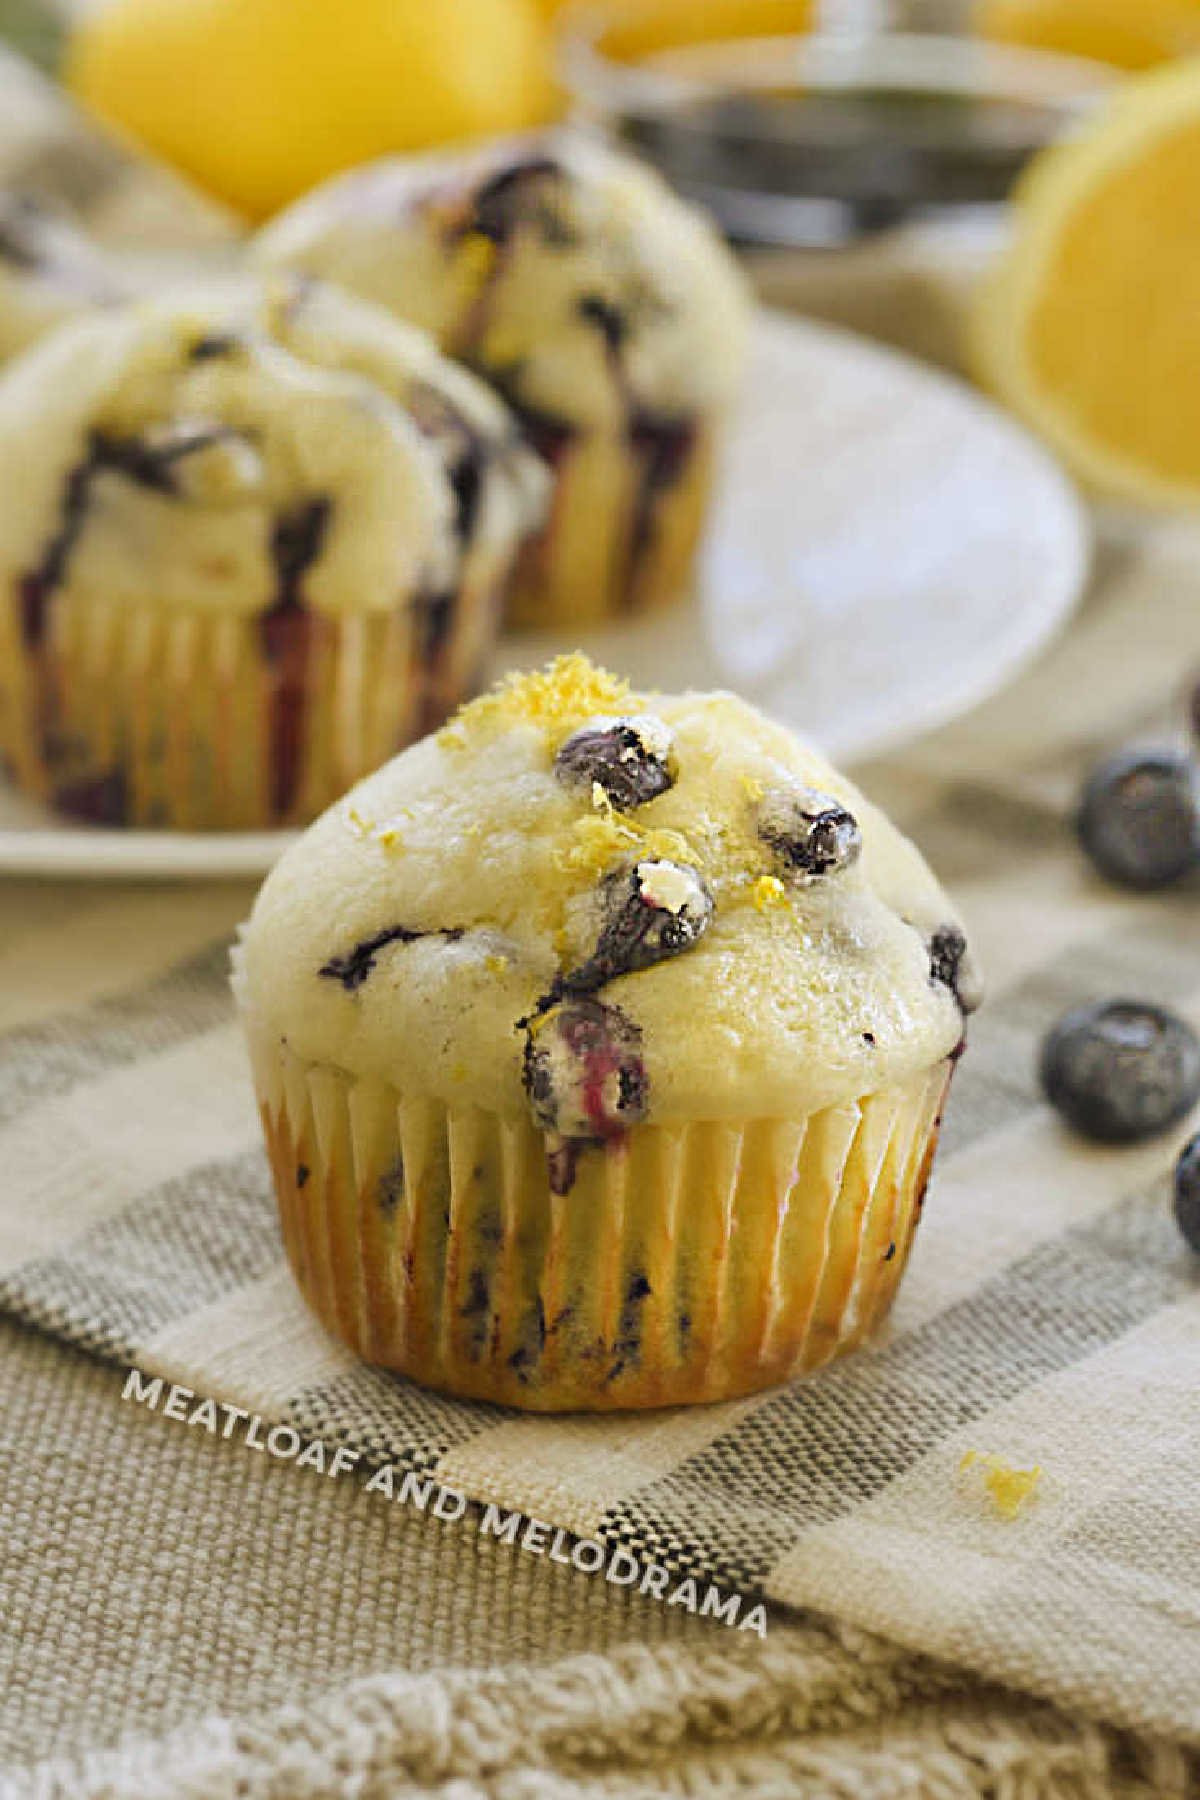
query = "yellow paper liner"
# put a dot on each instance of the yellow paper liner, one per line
(153, 716)
(610, 546)
(689, 1263)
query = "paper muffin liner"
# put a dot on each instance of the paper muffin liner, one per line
(689, 1263)
(627, 513)
(207, 720)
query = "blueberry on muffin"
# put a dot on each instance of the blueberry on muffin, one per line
(604, 310)
(595, 993)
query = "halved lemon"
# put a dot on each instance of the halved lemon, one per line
(1089, 326)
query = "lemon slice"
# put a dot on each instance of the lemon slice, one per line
(1089, 327)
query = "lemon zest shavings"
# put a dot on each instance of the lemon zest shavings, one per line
(1009, 1488)
(385, 833)
(768, 892)
(554, 699)
(603, 836)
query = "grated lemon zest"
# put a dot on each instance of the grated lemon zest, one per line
(602, 838)
(768, 892)
(1010, 1489)
(554, 699)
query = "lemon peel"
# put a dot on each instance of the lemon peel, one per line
(1010, 1489)
(554, 700)
(768, 892)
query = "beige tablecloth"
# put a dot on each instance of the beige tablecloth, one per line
(182, 1615)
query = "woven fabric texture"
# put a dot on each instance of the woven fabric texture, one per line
(297, 1636)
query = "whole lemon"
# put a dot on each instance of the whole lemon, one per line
(258, 100)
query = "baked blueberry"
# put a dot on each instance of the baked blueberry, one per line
(1187, 1194)
(652, 911)
(1121, 1070)
(514, 196)
(608, 318)
(631, 759)
(951, 964)
(811, 834)
(583, 1072)
(1139, 819)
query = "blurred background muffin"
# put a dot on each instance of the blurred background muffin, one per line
(251, 541)
(607, 313)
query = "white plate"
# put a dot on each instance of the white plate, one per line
(888, 550)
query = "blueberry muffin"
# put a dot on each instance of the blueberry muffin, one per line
(49, 272)
(252, 540)
(606, 312)
(601, 1042)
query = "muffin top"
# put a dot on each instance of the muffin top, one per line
(568, 274)
(602, 907)
(230, 446)
(49, 271)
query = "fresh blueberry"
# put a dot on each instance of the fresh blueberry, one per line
(584, 1073)
(1187, 1194)
(631, 759)
(652, 911)
(1121, 1070)
(1139, 819)
(811, 834)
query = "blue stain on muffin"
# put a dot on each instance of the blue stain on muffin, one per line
(627, 1345)
(390, 1191)
(353, 969)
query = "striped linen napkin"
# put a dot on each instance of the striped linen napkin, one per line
(1051, 1315)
